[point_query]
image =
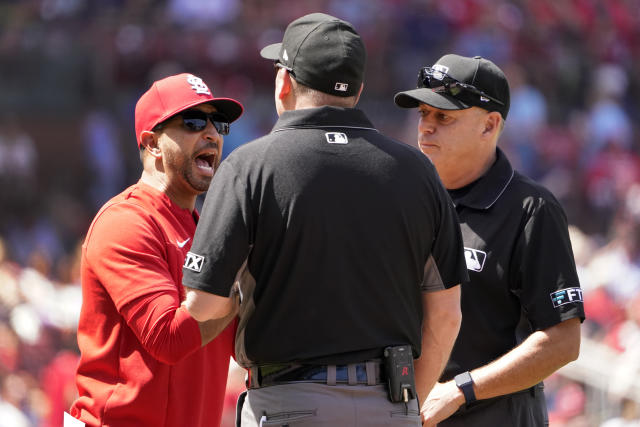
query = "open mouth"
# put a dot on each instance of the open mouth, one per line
(206, 163)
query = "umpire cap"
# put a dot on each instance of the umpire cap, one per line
(457, 82)
(322, 52)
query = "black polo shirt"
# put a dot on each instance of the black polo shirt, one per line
(520, 262)
(341, 229)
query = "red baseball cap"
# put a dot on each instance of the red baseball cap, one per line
(173, 94)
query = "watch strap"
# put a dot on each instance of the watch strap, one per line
(465, 383)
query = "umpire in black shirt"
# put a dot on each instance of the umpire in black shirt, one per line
(343, 242)
(521, 310)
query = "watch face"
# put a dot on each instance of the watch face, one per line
(463, 379)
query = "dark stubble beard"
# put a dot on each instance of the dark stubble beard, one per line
(185, 168)
(200, 183)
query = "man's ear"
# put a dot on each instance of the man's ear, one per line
(283, 83)
(149, 140)
(359, 93)
(492, 123)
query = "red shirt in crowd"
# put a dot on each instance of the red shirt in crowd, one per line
(141, 362)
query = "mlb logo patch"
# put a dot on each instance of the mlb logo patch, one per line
(342, 87)
(336, 138)
(193, 262)
(475, 259)
(566, 296)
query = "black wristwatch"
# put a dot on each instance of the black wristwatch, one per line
(465, 383)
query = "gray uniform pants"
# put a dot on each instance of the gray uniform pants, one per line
(312, 404)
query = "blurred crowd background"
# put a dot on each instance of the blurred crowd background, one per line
(72, 70)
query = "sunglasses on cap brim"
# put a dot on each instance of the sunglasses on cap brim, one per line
(441, 82)
(196, 121)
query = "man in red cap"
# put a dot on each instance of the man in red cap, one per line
(145, 361)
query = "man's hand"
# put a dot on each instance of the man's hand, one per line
(443, 400)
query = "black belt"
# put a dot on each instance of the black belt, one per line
(370, 373)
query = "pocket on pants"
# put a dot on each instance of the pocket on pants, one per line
(402, 413)
(288, 418)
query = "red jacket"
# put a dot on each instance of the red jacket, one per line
(141, 360)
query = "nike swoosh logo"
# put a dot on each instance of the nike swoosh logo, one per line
(181, 244)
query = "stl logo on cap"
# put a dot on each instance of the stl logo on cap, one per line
(198, 85)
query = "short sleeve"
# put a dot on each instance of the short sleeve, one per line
(223, 235)
(546, 278)
(446, 266)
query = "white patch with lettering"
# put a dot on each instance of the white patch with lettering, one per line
(566, 296)
(193, 262)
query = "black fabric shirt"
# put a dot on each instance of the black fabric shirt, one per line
(521, 268)
(341, 229)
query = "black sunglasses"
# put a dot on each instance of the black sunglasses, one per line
(439, 81)
(196, 121)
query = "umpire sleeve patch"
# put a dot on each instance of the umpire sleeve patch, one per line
(193, 262)
(566, 296)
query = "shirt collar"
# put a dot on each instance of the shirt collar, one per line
(326, 116)
(485, 191)
(159, 199)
